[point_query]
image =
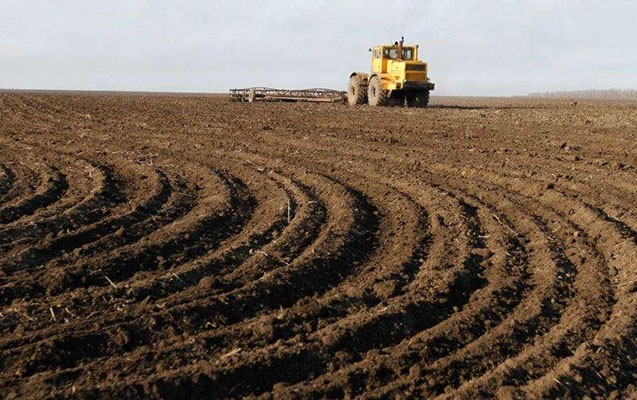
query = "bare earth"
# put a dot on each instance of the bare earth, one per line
(184, 247)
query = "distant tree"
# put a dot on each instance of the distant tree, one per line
(592, 94)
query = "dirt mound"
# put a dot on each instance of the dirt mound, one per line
(186, 247)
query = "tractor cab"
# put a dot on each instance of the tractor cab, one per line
(386, 58)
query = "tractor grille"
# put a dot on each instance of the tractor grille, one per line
(415, 67)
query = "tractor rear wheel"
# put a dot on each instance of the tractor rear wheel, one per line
(356, 91)
(418, 99)
(377, 96)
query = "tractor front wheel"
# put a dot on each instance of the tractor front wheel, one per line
(377, 96)
(418, 99)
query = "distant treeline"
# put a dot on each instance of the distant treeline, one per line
(605, 94)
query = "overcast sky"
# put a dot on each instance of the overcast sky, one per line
(473, 47)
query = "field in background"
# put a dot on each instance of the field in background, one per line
(186, 246)
(593, 94)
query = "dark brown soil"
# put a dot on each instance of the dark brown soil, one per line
(187, 247)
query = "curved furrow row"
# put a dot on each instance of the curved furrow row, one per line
(300, 350)
(593, 289)
(581, 318)
(30, 232)
(319, 181)
(180, 278)
(144, 216)
(327, 314)
(426, 303)
(188, 237)
(535, 361)
(24, 180)
(55, 278)
(327, 261)
(505, 271)
(601, 362)
(155, 192)
(162, 200)
(349, 214)
(87, 209)
(52, 186)
(234, 185)
(431, 348)
(329, 251)
(124, 228)
(79, 184)
(265, 201)
(282, 243)
(238, 251)
(546, 307)
(603, 290)
(265, 324)
(611, 195)
(7, 180)
(388, 320)
(20, 182)
(206, 275)
(557, 289)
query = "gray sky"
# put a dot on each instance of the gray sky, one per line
(473, 47)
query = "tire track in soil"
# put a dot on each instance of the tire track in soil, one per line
(233, 310)
(558, 280)
(139, 213)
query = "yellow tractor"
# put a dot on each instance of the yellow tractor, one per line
(397, 77)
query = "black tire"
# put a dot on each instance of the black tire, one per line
(375, 93)
(418, 99)
(397, 98)
(356, 91)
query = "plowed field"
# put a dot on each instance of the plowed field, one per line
(187, 247)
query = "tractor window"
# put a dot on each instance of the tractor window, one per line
(376, 53)
(390, 53)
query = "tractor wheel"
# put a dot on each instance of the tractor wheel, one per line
(377, 96)
(397, 98)
(356, 93)
(418, 99)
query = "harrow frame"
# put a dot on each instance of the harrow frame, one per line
(318, 95)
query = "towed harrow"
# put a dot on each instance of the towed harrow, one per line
(268, 94)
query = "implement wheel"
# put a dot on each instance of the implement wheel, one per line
(356, 91)
(418, 99)
(377, 96)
